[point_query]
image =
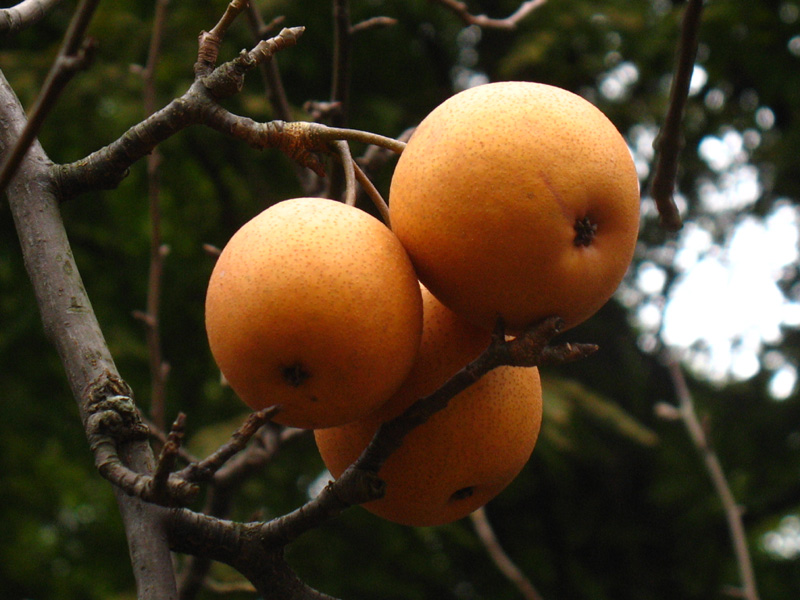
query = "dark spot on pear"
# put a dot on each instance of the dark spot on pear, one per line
(585, 231)
(295, 374)
(463, 493)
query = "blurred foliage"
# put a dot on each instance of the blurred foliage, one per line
(614, 503)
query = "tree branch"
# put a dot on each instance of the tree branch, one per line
(219, 498)
(374, 194)
(498, 555)
(349, 167)
(158, 250)
(733, 512)
(210, 41)
(361, 482)
(107, 167)
(73, 56)
(340, 86)
(239, 545)
(372, 23)
(71, 325)
(669, 142)
(269, 70)
(227, 79)
(24, 14)
(509, 23)
(205, 469)
(113, 419)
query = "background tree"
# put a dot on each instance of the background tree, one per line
(615, 502)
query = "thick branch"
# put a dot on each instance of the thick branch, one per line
(239, 546)
(112, 419)
(107, 167)
(255, 549)
(71, 325)
(23, 15)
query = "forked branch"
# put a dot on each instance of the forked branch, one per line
(510, 22)
(301, 141)
(256, 549)
(361, 481)
(113, 420)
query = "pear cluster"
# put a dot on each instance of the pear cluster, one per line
(516, 200)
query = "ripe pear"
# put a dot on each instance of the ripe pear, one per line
(314, 305)
(465, 454)
(520, 200)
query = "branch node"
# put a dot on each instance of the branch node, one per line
(357, 486)
(228, 79)
(528, 349)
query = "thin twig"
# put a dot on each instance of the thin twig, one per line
(366, 137)
(733, 512)
(158, 250)
(499, 556)
(158, 434)
(269, 70)
(340, 84)
(233, 587)
(23, 15)
(372, 23)
(369, 163)
(510, 22)
(209, 41)
(299, 140)
(205, 469)
(373, 194)
(74, 55)
(349, 166)
(228, 79)
(276, 93)
(669, 142)
(167, 458)
(341, 77)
